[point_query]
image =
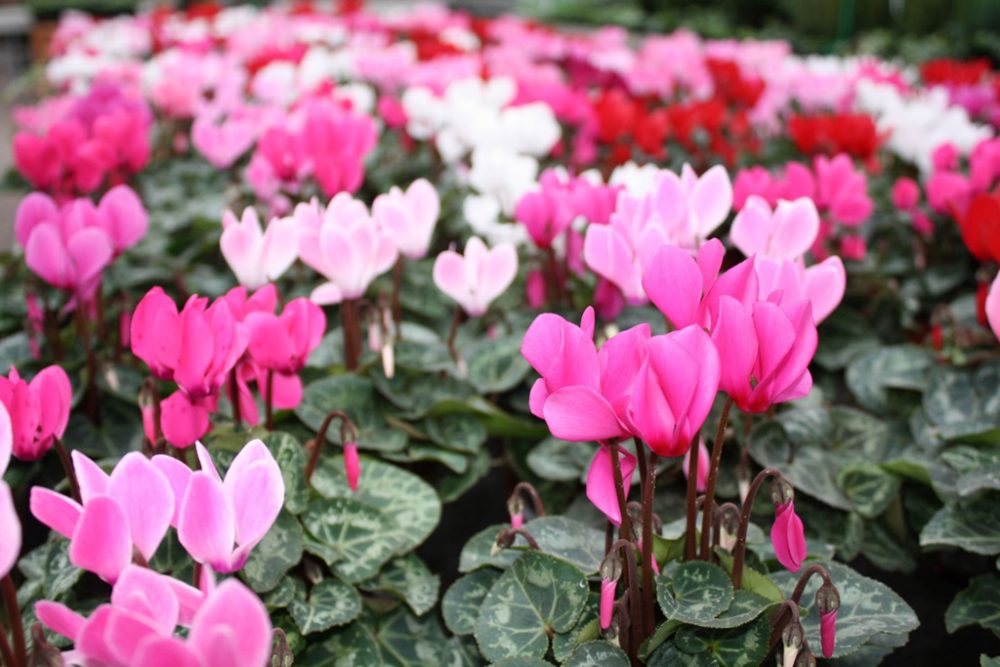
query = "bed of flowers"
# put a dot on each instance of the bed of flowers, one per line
(337, 338)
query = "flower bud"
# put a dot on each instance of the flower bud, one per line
(352, 465)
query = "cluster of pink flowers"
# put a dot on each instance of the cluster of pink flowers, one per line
(69, 246)
(232, 342)
(75, 145)
(730, 336)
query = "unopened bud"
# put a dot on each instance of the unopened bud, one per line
(352, 465)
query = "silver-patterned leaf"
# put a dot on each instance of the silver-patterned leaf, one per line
(277, 553)
(354, 646)
(971, 525)
(326, 605)
(410, 579)
(979, 604)
(537, 596)
(560, 536)
(694, 592)
(361, 539)
(597, 654)
(461, 602)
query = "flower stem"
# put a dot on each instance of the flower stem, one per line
(800, 587)
(352, 333)
(14, 617)
(6, 653)
(91, 400)
(532, 493)
(234, 398)
(648, 487)
(269, 402)
(625, 530)
(739, 553)
(713, 474)
(346, 426)
(692, 508)
(453, 333)
(627, 551)
(74, 485)
(397, 307)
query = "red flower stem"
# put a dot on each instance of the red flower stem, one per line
(234, 399)
(5, 651)
(532, 493)
(625, 530)
(648, 472)
(713, 475)
(739, 552)
(692, 505)
(74, 485)
(14, 617)
(800, 587)
(269, 402)
(627, 551)
(352, 333)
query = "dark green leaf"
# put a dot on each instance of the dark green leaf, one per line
(277, 553)
(461, 602)
(328, 604)
(979, 604)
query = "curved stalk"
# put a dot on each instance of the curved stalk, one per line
(713, 474)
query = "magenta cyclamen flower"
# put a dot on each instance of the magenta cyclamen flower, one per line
(607, 603)
(38, 411)
(132, 507)
(477, 278)
(10, 525)
(788, 536)
(282, 343)
(674, 390)
(229, 625)
(221, 520)
(993, 306)
(687, 289)
(409, 217)
(764, 350)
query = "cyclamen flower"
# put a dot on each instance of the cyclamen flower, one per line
(477, 278)
(36, 413)
(221, 520)
(131, 507)
(345, 245)
(687, 289)
(255, 255)
(764, 350)
(980, 227)
(229, 625)
(222, 143)
(788, 536)
(409, 217)
(10, 525)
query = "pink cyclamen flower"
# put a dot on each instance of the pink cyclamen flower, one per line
(993, 306)
(786, 233)
(222, 143)
(38, 411)
(674, 390)
(828, 632)
(221, 520)
(764, 350)
(788, 536)
(409, 217)
(601, 489)
(229, 625)
(6, 438)
(130, 508)
(282, 343)
(255, 255)
(701, 481)
(905, 194)
(573, 395)
(68, 248)
(352, 465)
(842, 191)
(10, 527)
(687, 289)
(196, 347)
(345, 245)
(123, 217)
(787, 281)
(477, 278)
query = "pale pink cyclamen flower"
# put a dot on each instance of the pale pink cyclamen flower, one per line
(765, 350)
(223, 142)
(993, 307)
(409, 216)
(255, 255)
(130, 508)
(680, 210)
(345, 245)
(221, 520)
(788, 536)
(229, 625)
(38, 412)
(477, 278)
